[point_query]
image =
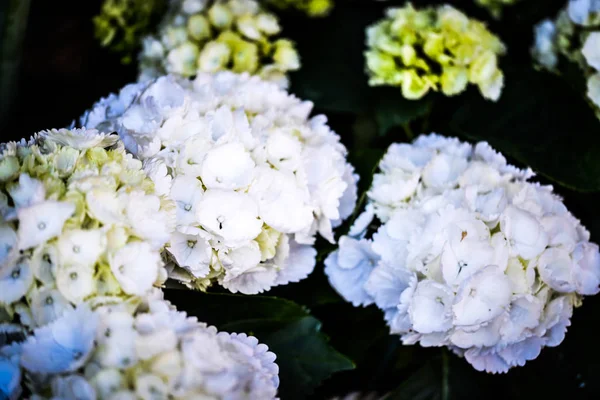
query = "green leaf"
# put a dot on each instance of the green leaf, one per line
(540, 122)
(331, 50)
(392, 110)
(13, 24)
(424, 384)
(304, 356)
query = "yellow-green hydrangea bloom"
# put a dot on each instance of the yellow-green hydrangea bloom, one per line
(433, 49)
(237, 35)
(122, 23)
(313, 8)
(495, 7)
(80, 222)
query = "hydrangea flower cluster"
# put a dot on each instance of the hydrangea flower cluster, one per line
(81, 222)
(253, 178)
(436, 48)
(313, 8)
(200, 36)
(574, 36)
(469, 254)
(148, 351)
(122, 23)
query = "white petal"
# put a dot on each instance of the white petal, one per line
(253, 281)
(517, 354)
(488, 205)
(104, 205)
(228, 166)
(299, 264)
(75, 282)
(591, 50)
(443, 171)
(62, 346)
(156, 169)
(8, 242)
(350, 195)
(349, 282)
(148, 221)
(392, 238)
(593, 88)
(463, 257)
(72, 387)
(282, 204)
(28, 192)
(556, 319)
(486, 360)
(186, 192)
(15, 281)
(525, 234)
(561, 230)
(521, 278)
(47, 305)
(525, 313)
(136, 267)
(232, 216)
(241, 259)
(353, 253)
(586, 268)
(192, 253)
(362, 222)
(482, 297)
(41, 222)
(556, 268)
(386, 285)
(430, 307)
(81, 247)
(149, 386)
(487, 335)
(106, 381)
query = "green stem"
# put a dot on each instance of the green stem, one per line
(408, 131)
(13, 22)
(445, 375)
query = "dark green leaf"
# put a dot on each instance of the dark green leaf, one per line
(303, 354)
(13, 21)
(424, 384)
(535, 122)
(332, 73)
(392, 110)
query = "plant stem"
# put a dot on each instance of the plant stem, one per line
(408, 131)
(445, 375)
(13, 22)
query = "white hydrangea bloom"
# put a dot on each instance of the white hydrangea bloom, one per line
(84, 224)
(145, 351)
(469, 254)
(254, 179)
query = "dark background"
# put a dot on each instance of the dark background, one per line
(540, 121)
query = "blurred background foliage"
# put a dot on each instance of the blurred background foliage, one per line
(540, 121)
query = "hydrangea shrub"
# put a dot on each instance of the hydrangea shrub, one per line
(467, 254)
(254, 178)
(144, 351)
(81, 223)
(200, 36)
(434, 48)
